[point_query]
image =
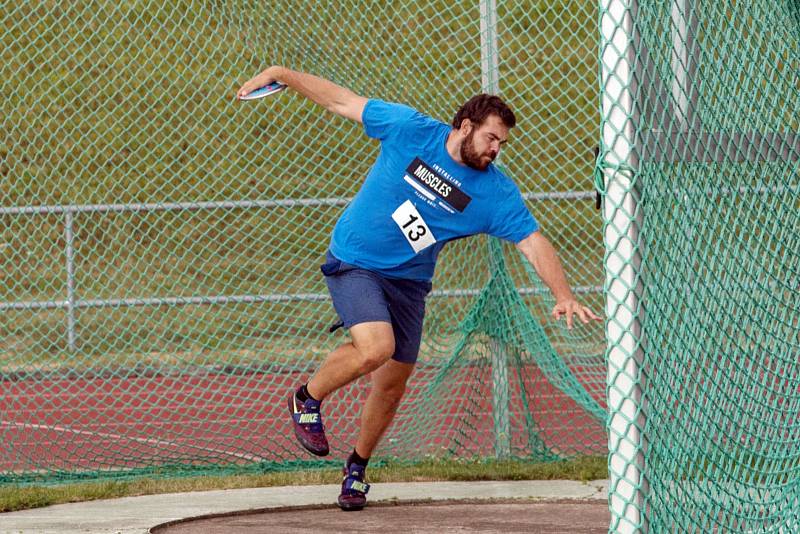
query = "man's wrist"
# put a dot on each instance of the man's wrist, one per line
(277, 72)
(565, 298)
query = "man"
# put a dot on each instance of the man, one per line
(431, 184)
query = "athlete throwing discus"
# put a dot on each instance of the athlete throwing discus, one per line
(431, 183)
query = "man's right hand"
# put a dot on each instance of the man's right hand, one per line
(334, 98)
(260, 80)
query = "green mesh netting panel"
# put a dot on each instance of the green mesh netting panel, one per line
(161, 242)
(701, 160)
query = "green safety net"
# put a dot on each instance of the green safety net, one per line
(161, 242)
(700, 166)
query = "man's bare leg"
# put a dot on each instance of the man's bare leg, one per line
(388, 388)
(372, 344)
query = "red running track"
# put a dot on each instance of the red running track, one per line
(206, 418)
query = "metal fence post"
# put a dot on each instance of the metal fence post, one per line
(500, 395)
(623, 221)
(70, 253)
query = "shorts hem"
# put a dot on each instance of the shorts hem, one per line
(409, 359)
(368, 319)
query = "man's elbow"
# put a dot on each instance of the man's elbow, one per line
(528, 245)
(350, 106)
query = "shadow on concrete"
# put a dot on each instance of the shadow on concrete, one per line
(486, 516)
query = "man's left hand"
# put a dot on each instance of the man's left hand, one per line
(571, 307)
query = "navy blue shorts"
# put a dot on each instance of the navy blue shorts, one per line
(361, 296)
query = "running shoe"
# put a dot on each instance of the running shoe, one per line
(354, 489)
(308, 428)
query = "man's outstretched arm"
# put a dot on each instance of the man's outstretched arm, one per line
(334, 98)
(541, 254)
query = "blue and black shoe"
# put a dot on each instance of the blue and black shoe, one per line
(308, 428)
(354, 489)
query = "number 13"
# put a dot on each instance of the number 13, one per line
(421, 231)
(413, 227)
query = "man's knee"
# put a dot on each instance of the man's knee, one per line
(389, 382)
(391, 393)
(374, 351)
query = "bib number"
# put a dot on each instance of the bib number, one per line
(413, 226)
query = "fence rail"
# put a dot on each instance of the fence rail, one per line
(236, 204)
(72, 303)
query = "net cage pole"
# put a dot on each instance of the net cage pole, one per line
(622, 264)
(490, 83)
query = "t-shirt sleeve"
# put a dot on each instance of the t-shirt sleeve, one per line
(511, 220)
(384, 119)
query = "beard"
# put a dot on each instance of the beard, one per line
(470, 156)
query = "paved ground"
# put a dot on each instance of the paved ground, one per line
(572, 507)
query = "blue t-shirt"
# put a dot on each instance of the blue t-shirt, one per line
(416, 198)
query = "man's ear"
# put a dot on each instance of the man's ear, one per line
(466, 127)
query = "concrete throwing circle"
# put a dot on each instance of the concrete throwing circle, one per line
(441, 517)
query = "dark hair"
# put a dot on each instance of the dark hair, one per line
(479, 107)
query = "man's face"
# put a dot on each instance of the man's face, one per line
(483, 143)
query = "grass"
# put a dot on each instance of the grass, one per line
(14, 498)
(106, 127)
